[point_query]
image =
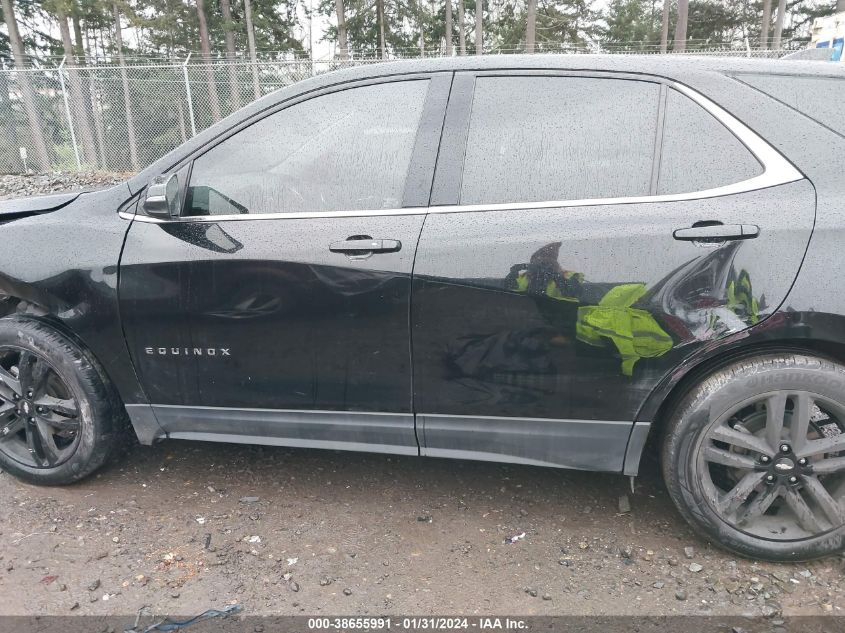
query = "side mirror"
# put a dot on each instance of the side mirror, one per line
(163, 197)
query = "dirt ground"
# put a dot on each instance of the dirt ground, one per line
(185, 526)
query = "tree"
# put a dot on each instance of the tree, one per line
(765, 24)
(664, 27)
(779, 24)
(205, 47)
(479, 23)
(450, 49)
(253, 57)
(226, 12)
(77, 94)
(681, 26)
(27, 93)
(127, 99)
(630, 23)
(342, 41)
(531, 26)
(462, 34)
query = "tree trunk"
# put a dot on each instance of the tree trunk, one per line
(421, 24)
(342, 42)
(531, 26)
(450, 49)
(77, 95)
(681, 27)
(462, 34)
(205, 47)
(253, 57)
(226, 11)
(380, 19)
(779, 25)
(96, 98)
(127, 99)
(840, 5)
(664, 28)
(479, 21)
(766, 24)
(27, 93)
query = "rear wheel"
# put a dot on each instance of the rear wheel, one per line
(59, 417)
(754, 457)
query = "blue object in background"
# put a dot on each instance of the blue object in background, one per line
(838, 44)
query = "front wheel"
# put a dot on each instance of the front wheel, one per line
(59, 418)
(754, 457)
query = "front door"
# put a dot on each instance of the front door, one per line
(276, 308)
(586, 234)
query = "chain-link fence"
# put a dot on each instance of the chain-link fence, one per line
(122, 118)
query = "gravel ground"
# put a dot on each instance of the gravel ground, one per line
(184, 526)
(23, 185)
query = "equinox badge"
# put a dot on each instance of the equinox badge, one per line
(187, 351)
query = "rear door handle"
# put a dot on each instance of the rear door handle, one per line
(717, 232)
(362, 246)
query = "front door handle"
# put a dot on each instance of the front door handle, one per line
(363, 246)
(717, 232)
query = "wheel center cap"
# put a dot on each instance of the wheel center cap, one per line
(784, 465)
(26, 407)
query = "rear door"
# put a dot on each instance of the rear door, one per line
(587, 232)
(276, 308)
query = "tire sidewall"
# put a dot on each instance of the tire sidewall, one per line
(703, 407)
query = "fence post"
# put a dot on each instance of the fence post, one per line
(67, 113)
(188, 95)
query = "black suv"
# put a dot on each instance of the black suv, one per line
(540, 260)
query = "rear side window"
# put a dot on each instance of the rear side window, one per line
(347, 150)
(559, 138)
(698, 151)
(820, 98)
(535, 139)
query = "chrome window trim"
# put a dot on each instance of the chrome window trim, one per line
(777, 170)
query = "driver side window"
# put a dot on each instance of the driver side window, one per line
(345, 151)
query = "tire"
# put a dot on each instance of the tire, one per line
(737, 469)
(82, 434)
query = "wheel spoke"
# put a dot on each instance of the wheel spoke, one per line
(9, 385)
(726, 458)
(825, 445)
(802, 405)
(49, 451)
(32, 373)
(736, 438)
(730, 501)
(759, 505)
(775, 409)
(828, 466)
(6, 407)
(805, 515)
(828, 504)
(63, 406)
(58, 422)
(11, 429)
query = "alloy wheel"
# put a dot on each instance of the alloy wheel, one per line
(774, 466)
(39, 417)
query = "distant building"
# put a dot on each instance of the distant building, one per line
(829, 33)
